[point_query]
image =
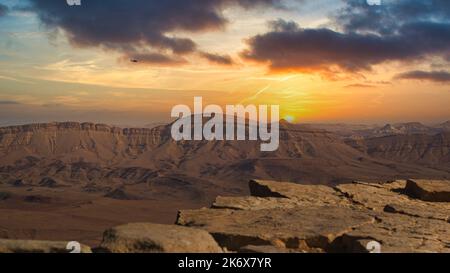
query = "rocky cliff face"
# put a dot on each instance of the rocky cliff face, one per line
(70, 141)
(398, 216)
(417, 148)
(87, 152)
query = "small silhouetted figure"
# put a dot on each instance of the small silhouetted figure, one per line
(134, 61)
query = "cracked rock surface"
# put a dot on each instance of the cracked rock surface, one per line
(287, 217)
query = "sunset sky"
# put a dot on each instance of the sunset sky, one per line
(320, 60)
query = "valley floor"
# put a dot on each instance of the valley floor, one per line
(68, 214)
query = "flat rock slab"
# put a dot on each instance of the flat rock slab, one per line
(389, 197)
(399, 233)
(429, 190)
(306, 228)
(149, 238)
(426, 211)
(373, 196)
(253, 203)
(301, 194)
(32, 246)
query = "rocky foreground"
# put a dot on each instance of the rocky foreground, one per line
(402, 216)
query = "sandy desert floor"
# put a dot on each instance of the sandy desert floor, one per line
(68, 214)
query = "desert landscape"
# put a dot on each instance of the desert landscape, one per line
(111, 136)
(71, 181)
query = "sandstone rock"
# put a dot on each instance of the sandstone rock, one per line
(389, 197)
(420, 210)
(146, 237)
(429, 190)
(305, 228)
(301, 194)
(399, 234)
(252, 203)
(31, 246)
(285, 217)
(373, 196)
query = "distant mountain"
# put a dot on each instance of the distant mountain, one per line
(94, 153)
(362, 131)
(346, 130)
(445, 126)
(421, 149)
(403, 128)
(388, 129)
(412, 128)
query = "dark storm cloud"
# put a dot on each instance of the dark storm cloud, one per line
(217, 58)
(357, 15)
(138, 24)
(3, 10)
(395, 31)
(320, 48)
(435, 76)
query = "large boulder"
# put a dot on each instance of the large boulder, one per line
(429, 190)
(32, 246)
(148, 238)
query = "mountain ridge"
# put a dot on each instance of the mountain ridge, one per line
(69, 180)
(304, 152)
